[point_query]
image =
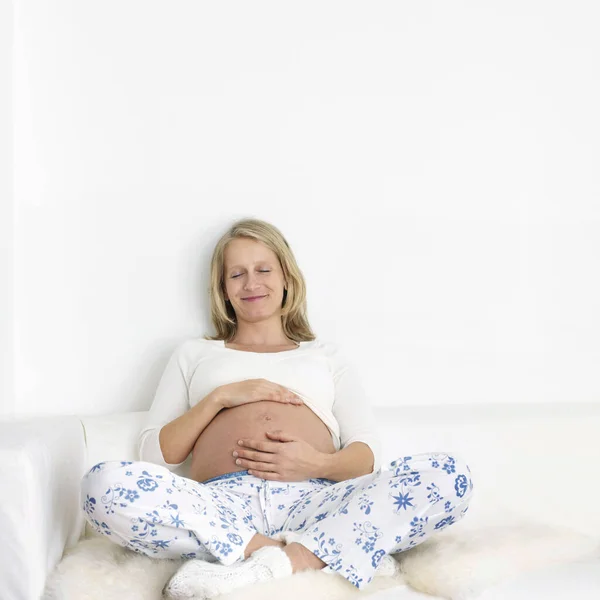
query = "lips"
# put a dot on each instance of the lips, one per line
(250, 298)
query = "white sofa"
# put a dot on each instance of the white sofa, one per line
(538, 461)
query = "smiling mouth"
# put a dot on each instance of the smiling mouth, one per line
(251, 298)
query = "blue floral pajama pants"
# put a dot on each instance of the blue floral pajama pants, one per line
(350, 525)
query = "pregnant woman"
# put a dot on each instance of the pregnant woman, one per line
(285, 471)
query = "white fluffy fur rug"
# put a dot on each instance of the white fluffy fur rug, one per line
(458, 564)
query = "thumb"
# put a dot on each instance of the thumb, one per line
(278, 434)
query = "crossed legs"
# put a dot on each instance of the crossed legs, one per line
(350, 526)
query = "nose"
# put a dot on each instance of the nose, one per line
(251, 280)
(251, 283)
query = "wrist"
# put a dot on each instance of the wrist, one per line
(325, 466)
(215, 399)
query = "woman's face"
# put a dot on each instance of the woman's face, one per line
(252, 269)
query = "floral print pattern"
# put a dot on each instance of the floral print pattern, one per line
(350, 525)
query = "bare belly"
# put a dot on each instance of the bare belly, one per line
(212, 454)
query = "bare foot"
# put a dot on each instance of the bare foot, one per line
(258, 541)
(302, 558)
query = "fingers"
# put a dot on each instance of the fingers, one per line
(254, 465)
(280, 435)
(283, 394)
(259, 445)
(250, 459)
(252, 455)
(269, 390)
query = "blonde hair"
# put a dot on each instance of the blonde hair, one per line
(293, 315)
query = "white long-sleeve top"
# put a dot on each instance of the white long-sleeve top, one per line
(317, 371)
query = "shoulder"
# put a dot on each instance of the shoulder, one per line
(330, 347)
(335, 353)
(326, 346)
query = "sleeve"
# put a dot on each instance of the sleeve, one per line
(351, 407)
(171, 400)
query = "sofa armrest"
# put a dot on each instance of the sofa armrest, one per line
(115, 437)
(41, 465)
(112, 436)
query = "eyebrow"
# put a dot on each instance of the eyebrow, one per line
(259, 262)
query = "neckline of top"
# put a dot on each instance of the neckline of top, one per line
(222, 342)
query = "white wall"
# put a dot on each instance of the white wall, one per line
(433, 165)
(6, 211)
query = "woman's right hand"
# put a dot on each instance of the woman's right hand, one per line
(254, 390)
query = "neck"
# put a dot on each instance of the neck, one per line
(268, 344)
(261, 334)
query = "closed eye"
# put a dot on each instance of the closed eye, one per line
(234, 276)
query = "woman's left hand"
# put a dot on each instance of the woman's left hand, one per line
(287, 458)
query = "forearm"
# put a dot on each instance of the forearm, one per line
(353, 461)
(178, 437)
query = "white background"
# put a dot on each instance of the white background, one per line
(433, 165)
